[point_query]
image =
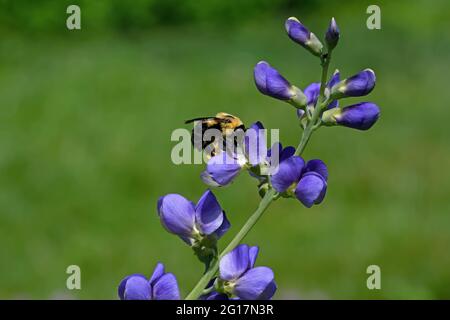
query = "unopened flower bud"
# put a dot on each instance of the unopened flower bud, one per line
(332, 35)
(358, 85)
(361, 116)
(271, 83)
(300, 34)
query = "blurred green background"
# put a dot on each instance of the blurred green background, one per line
(85, 124)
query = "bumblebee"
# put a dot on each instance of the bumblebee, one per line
(227, 124)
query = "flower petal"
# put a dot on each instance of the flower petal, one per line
(208, 180)
(300, 113)
(252, 255)
(318, 166)
(335, 78)
(157, 273)
(311, 189)
(223, 168)
(289, 171)
(333, 104)
(234, 263)
(208, 213)
(269, 291)
(166, 288)
(121, 288)
(260, 76)
(255, 144)
(287, 153)
(137, 288)
(276, 147)
(253, 284)
(177, 214)
(312, 92)
(223, 227)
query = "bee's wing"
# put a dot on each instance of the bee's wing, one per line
(199, 119)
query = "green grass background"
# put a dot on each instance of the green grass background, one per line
(85, 125)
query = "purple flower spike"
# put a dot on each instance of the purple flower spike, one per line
(161, 286)
(270, 82)
(332, 35)
(361, 116)
(300, 34)
(192, 223)
(358, 85)
(242, 279)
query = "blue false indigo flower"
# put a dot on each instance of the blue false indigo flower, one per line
(361, 116)
(223, 168)
(271, 83)
(332, 35)
(300, 34)
(160, 286)
(194, 224)
(358, 85)
(239, 278)
(307, 182)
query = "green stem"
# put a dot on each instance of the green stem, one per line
(321, 101)
(199, 288)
